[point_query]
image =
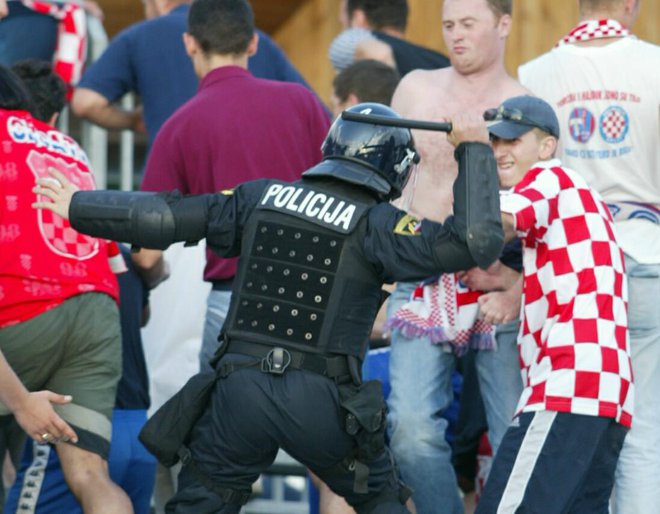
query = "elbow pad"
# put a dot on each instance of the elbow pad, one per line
(477, 202)
(148, 220)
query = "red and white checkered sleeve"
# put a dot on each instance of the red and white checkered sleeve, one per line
(522, 210)
(532, 202)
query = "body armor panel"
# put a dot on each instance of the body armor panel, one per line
(301, 270)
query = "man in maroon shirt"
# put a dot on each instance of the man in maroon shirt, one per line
(236, 128)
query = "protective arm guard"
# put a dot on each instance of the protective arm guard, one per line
(148, 220)
(477, 202)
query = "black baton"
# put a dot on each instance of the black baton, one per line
(396, 122)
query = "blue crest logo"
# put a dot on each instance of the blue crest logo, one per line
(581, 124)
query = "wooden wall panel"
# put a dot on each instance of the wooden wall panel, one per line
(537, 25)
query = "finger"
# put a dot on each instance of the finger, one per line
(42, 436)
(49, 182)
(45, 205)
(63, 430)
(61, 177)
(58, 398)
(46, 191)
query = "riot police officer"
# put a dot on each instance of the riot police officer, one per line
(313, 257)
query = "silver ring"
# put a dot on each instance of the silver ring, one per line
(45, 436)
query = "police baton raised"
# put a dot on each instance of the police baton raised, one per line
(396, 122)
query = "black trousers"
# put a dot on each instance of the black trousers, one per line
(251, 415)
(554, 463)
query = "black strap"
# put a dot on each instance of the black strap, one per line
(227, 494)
(331, 367)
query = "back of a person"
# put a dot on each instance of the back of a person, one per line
(166, 60)
(162, 72)
(257, 128)
(43, 260)
(239, 128)
(611, 134)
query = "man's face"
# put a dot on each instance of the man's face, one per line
(472, 33)
(515, 157)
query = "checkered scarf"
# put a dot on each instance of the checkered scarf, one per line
(71, 47)
(594, 29)
(446, 312)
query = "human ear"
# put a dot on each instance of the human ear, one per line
(547, 148)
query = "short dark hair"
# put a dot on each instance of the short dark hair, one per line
(223, 27)
(13, 94)
(368, 80)
(46, 88)
(501, 7)
(381, 13)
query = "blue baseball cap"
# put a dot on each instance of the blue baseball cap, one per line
(520, 114)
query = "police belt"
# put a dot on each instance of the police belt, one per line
(276, 359)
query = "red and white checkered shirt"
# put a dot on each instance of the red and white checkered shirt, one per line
(573, 344)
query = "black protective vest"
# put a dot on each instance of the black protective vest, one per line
(303, 282)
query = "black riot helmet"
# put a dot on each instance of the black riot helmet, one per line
(376, 156)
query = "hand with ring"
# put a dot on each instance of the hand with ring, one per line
(37, 417)
(34, 411)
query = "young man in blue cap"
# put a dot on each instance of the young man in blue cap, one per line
(561, 450)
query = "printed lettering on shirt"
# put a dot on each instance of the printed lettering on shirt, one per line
(336, 213)
(590, 120)
(21, 131)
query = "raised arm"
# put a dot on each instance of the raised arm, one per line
(476, 197)
(146, 220)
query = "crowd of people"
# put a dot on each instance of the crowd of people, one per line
(520, 243)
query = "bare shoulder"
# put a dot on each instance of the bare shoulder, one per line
(517, 88)
(418, 87)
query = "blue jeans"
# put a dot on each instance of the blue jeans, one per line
(217, 306)
(420, 375)
(25, 34)
(637, 480)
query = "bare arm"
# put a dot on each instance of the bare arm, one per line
(4, 10)
(33, 411)
(502, 306)
(95, 107)
(151, 265)
(498, 277)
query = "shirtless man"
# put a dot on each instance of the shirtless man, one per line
(475, 33)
